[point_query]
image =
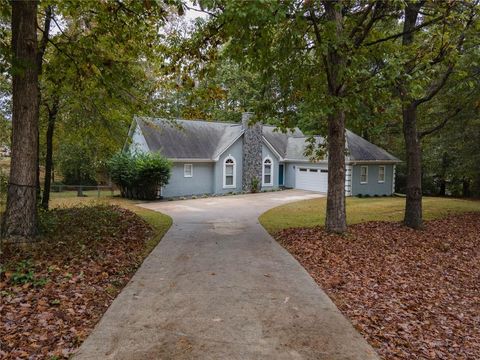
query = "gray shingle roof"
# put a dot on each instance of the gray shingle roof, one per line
(278, 139)
(188, 139)
(196, 139)
(296, 147)
(361, 150)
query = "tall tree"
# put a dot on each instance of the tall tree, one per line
(20, 216)
(312, 53)
(103, 80)
(335, 66)
(430, 58)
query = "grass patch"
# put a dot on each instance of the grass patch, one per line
(309, 213)
(65, 194)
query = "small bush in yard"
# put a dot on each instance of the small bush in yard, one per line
(139, 175)
(255, 185)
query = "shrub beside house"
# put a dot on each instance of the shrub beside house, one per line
(139, 175)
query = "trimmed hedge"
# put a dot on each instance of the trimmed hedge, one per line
(139, 175)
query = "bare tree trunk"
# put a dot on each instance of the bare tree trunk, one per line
(443, 187)
(336, 213)
(443, 175)
(40, 54)
(413, 206)
(52, 116)
(336, 219)
(21, 215)
(466, 187)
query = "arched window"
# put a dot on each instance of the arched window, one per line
(229, 172)
(267, 172)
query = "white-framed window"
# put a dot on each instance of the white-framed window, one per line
(363, 174)
(381, 174)
(267, 172)
(187, 170)
(229, 172)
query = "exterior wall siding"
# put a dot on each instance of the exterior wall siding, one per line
(348, 180)
(236, 151)
(139, 143)
(372, 187)
(290, 175)
(200, 183)
(275, 163)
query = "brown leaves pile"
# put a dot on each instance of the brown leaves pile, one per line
(81, 264)
(412, 294)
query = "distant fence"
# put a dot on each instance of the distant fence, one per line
(82, 190)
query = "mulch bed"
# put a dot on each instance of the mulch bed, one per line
(412, 294)
(55, 293)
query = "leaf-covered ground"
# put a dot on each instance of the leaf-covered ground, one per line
(412, 294)
(54, 294)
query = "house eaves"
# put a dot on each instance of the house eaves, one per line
(306, 161)
(194, 160)
(225, 148)
(358, 162)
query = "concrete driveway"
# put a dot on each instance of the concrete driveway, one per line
(219, 287)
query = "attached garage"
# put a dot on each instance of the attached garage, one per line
(311, 178)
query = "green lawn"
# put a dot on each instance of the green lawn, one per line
(86, 193)
(310, 213)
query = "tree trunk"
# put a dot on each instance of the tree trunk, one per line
(336, 213)
(466, 188)
(443, 174)
(443, 187)
(336, 219)
(40, 53)
(20, 215)
(413, 206)
(52, 115)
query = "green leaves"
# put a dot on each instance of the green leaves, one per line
(139, 175)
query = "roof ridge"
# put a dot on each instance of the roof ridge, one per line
(189, 120)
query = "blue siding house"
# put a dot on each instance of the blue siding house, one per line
(218, 157)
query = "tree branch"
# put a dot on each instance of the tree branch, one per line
(45, 38)
(66, 54)
(435, 87)
(375, 16)
(395, 36)
(359, 24)
(424, 133)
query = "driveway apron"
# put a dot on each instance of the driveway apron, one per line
(219, 287)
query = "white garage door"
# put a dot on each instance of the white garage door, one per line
(314, 179)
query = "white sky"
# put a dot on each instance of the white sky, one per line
(191, 15)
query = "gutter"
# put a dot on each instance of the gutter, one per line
(359, 162)
(176, 160)
(347, 162)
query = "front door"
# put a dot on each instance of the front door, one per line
(280, 175)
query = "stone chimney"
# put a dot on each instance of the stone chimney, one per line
(252, 152)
